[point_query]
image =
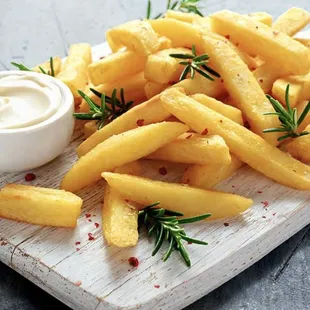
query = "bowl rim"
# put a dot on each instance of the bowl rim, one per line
(67, 104)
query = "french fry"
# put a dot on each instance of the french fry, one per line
(74, 70)
(46, 66)
(246, 145)
(164, 43)
(152, 89)
(300, 107)
(116, 66)
(41, 206)
(133, 88)
(181, 34)
(208, 176)
(292, 21)
(183, 17)
(135, 144)
(265, 42)
(262, 17)
(250, 99)
(146, 191)
(194, 149)
(230, 112)
(120, 220)
(303, 41)
(146, 113)
(299, 147)
(279, 89)
(136, 36)
(162, 68)
(90, 128)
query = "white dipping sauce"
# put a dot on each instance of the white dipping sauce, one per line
(26, 101)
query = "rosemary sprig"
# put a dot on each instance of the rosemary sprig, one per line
(22, 67)
(104, 112)
(164, 225)
(288, 117)
(194, 63)
(186, 6)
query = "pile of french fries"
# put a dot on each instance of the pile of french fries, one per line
(196, 121)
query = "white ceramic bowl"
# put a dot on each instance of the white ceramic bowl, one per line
(31, 147)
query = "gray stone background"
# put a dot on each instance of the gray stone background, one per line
(33, 30)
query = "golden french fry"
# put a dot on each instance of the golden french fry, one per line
(146, 113)
(292, 21)
(134, 144)
(300, 107)
(246, 145)
(231, 112)
(164, 43)
(136, 36)
(74, 70)
(303, 41)
(46, 66)
(146, 191)
(151, 89)
(250, 99)
(299, 147)
(265, 42)
(183, 17)
(262, 17)
(90, 128)
(279, 89)
(116, 66)
(207, 176)
(162, 68)
(133, 88)
(120, 220)
(191, 148)
(41, 206)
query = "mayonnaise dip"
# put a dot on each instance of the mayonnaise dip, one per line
(27, 100)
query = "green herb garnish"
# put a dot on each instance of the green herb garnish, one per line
(185, 6)
(22, 67)
(195, 64)
(288, 117)
(164, 225)
(104, 113)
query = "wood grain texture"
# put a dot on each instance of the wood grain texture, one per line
(255, 289)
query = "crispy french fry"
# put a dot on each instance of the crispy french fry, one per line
(116, 66)
(183, 17)
(164, 43)
(46, 66)
(133, 88)
(299, 147)
(181, 34)
(162, 68)
(262, 17)
(250, 99)
(146, 113)
(303, 41)
(272, 46)
(207, 176)
(74, 70)
(300, 107)
(246, 145)
(292, 21)
(41, 206)
(151, 89)
(279, 88)
(146, 191)
(136, 36)
(231, 112)
(120, 220)
(90, 128)
(191, 148)
(135, 144)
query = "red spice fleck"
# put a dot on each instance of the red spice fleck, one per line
(157, 286)
(162, 170)
(265, 203)
(77, 249)
(233, 186)
(189, 242)
(205, 132)
(237, 44)
(97, 225)
(30, 177)
(263, 216)
(88, 215)
(188, 136)
(127, 200)
(91, 237)
(261, 80)
(77, 243)
(3, 243)
(89, 220)
(133, 261)
(102, 57)
(256, 27)
(78, 283)
(274, 214)
(221, 121)
(275, 32)
(259, 192)
(222, 81)
(227, 37)
(226, 224)
(140, 122)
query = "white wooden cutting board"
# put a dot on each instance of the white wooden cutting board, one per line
(91, 275)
